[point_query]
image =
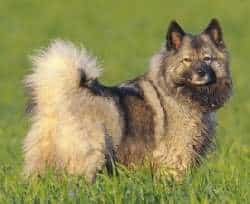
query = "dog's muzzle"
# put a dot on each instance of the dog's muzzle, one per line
(203, 75)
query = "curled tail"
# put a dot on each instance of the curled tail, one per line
(58, 72)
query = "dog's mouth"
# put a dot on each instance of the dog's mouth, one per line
(204, 76)
(210, 95)
(196, 82)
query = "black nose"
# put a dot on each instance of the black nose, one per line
(201, 72)
(207, 73)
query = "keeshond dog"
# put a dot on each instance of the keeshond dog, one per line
(165, 117)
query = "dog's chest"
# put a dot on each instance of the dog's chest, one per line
(186, 135)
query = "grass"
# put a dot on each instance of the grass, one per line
(124, 34)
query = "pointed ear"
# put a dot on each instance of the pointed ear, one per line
(214, 31)
(174, 36)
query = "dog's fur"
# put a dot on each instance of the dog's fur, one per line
(166, 116)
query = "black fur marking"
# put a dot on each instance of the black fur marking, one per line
(127, 89)
(161, 103)
(83, 78)
(138, 136)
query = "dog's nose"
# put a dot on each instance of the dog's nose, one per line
(204, 75)
(201, 72)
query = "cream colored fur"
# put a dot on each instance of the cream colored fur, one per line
(68, 123)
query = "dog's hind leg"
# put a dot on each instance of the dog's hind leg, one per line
(37, 148)
(80, 147)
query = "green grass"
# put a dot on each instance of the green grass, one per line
(124, 34)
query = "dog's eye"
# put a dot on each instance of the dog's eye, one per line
(187, 60)
(207, 59)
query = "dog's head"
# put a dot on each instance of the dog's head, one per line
(196, 67)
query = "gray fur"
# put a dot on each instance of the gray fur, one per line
(165, 117)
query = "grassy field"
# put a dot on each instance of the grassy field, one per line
(124, 34)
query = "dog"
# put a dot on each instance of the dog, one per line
(165, 116)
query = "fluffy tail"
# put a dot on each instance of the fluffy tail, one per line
(58, 72)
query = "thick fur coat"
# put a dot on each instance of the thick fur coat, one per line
(165, 117)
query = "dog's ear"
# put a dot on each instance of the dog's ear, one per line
(214, 31)
(174, 36)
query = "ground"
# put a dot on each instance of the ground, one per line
(123, 34)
